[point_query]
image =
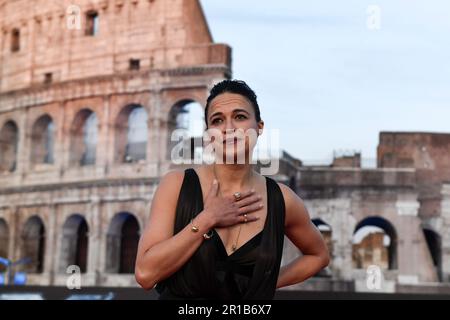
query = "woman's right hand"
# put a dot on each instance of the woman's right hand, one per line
(227, 211)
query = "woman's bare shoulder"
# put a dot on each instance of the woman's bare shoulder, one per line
(166, 195)
(174, 175)
(170, 182)
(294, 204)
(288, 193)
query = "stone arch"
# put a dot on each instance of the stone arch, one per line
(186, 114)
(434, 244)
(92, 23)
(74, 243)
(326, 231)
(4, 242)
(121, 243)
(131, 134)
(42, 140)
(293, 183)
(15, 40)
(375, 242)
(9, 141)
(84, 136)
(33, 244)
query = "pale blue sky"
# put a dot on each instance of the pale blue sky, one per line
(327, 81)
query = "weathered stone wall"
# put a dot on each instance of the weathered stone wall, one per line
(161, 34)
(178, 64)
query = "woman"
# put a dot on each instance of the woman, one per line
(217, 232)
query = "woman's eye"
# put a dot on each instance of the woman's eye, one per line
(241, 117)
(216, 121)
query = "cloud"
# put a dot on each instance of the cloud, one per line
(337, 82)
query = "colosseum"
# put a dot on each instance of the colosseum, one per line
(85, 117)
(90, 92)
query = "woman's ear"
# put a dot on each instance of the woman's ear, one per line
(260, 127)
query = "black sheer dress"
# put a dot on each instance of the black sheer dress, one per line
(250, 272)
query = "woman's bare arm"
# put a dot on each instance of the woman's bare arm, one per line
(160, 252)
(306, 237)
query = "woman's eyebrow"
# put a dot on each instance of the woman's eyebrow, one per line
(234, 111)
(241, 110)
(214, 114)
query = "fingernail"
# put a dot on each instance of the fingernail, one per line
(260, 205)
(253, 190)
(214, 181)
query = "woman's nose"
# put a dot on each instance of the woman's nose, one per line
(229, 126)
(228, 130)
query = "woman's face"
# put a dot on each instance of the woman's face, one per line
(233, 127)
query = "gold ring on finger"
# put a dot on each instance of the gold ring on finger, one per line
(237, 196)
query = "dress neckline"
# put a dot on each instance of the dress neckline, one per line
(241, 249)
(252, 239)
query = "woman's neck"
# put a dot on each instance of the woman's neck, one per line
(233, 177)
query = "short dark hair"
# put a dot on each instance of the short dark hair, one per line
(233, 86)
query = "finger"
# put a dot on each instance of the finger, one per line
(214, 189)
(248, 218)
(245, 194)
(250, 208)
(249, 200)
